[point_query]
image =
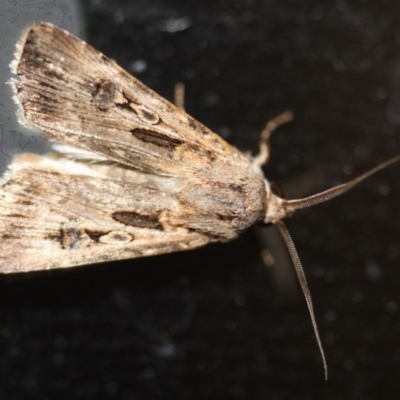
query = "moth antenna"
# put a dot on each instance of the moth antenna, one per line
(280, 208)
(297, 204)
(304, 286)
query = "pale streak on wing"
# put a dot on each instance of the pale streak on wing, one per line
(78, 96)
(55, 215)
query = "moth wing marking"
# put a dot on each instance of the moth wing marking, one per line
(55, 215)
(105, 109)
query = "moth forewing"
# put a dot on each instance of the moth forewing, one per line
(58, 214)
(132, 176)
(79, 97)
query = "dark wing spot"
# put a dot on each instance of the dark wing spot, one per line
(156, 138)
(124, 106)
(94, 235)
(118, 237)
(48, 85)
(197, 126)
(17, 216)
(24, 202)
(137, 220)
(104, 95)
(6, 236)
(71, 238)
(148, 116)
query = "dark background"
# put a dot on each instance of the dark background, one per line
(213, 323)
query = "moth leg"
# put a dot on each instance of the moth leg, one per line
(262, 157)
(179, 95)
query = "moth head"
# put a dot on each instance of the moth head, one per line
(276, 206)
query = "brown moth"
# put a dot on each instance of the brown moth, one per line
(135, 175)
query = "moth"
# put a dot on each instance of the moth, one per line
(132, 174)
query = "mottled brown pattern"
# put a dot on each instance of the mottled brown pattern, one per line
(170, 183)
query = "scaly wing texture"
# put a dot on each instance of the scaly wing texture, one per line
(56, 214)
(79, 97)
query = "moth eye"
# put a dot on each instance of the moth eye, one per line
(277, 189)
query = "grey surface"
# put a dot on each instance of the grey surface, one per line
(14, 17)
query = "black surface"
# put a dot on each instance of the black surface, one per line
(210, 324)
